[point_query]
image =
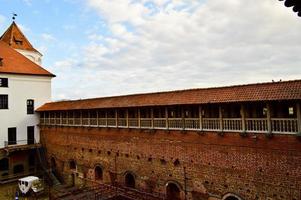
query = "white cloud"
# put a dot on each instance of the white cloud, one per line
(185, 44)
(47, 37)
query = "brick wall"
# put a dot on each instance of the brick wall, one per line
(250, 167)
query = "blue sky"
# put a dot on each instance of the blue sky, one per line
(113, 47)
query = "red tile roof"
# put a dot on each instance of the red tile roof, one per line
(14, 37)
(15, 63)
(286, 90)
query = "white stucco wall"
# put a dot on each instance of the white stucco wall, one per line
(31, 55)
(20, 89)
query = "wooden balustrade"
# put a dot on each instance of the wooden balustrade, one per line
(232, 124)
(122, 122)
(284, 125)
(133, 122)
(192, 123)
(111, 122)
(211, 124)
(175, 123)
(146, 123)
(278, 125)
(256, 124)
(160, 123)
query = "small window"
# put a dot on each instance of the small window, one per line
(291, 110)
(30, 106)
(3, 101)
(3, 82)
(265, 111)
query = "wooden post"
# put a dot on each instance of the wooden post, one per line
(89, 118)
(269, 124)
(127, 117)
(183, 117)
(97, 118)
(81, 118)
(298, 107)
(243, 118)
(106, 116)
(61, 121)
(220, 110)
(73, 118)
(152, 117)
(166, 118)
(139, 121)
(116, 118)
(201, 118)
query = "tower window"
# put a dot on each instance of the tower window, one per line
(3, 101)
(3, 82)
(30, 106)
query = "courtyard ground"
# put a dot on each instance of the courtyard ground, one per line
(8, 191)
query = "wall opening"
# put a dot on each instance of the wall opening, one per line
(172, 192)
(98, 173)
(72, 165)
(18, 169)
(130, 180)
(4, 164)
(230, 196)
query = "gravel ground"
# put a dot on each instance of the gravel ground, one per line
(8, 191)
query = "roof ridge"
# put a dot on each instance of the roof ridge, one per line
(178, 91)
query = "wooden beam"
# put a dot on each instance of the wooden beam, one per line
(298, 107)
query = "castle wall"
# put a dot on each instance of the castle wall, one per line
(214, 166)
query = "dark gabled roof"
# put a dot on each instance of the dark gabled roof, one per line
(285, 90)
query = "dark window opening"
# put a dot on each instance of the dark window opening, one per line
(18, 169)
(172, 192)
(30, 106)
(31, 160)
(130, 180)
(98, 173)
(30, 135)
(72, 164)
(4, 164)
(12, 136)
(3, 101)
(3, 82)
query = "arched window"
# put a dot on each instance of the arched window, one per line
(72, 165)
(98, 173)
(230, 196)
(130, 180)
(172, 191)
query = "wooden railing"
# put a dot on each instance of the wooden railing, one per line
(232, 124)
(275, 125)
(257, 124)
(211, 124)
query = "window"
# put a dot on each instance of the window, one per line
(291, 110)
(30, 135)
(30, 106)
(12, 136)
(3, 101)
(3, 82)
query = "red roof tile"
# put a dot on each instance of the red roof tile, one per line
(14, 37)
(286, 90)
(15, 63)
